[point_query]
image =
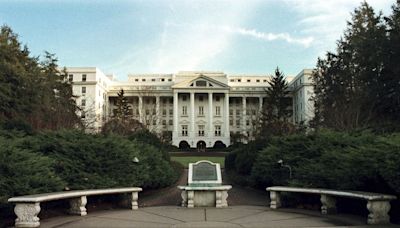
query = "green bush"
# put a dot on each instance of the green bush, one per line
(361, 161)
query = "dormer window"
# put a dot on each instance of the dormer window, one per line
(201, 83)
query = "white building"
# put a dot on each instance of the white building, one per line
(196, 108)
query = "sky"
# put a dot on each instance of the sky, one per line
(155, 36)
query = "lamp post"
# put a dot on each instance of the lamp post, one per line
(286, 166)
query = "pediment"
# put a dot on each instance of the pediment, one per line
(201, 122)
(201, 82)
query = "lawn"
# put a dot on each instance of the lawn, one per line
(186, 160)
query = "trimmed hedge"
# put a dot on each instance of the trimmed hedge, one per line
(68, 160)
(358, 161)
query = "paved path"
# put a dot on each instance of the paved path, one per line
(160, 209)
(174, 216)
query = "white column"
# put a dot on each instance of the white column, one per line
(260, 104)
(141, 109)
(244, 115)
(158, 114)
(192, 115)
(210, 115)
(226, 117)
(175, 113)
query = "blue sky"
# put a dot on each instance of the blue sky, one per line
(149, 36)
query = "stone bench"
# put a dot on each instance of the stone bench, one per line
(378, 204)
(28, 207)
(205, 196)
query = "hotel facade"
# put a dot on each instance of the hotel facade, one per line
(194, 109)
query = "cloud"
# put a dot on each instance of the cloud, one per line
(326, 20)
(273, 36)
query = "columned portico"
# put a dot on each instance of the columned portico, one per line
(244, 132)
(210, 114)
(192, 129)
(226, 115)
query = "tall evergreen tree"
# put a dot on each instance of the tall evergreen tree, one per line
(276, 111)
(389, 107)
(347, 83)
(31, 91)
(123, 110)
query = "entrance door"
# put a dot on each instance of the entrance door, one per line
(201, 146)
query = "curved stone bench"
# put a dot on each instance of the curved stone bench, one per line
(193, 196)
(378, 204)
(28, 207)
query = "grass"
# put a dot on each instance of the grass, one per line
(186, 160)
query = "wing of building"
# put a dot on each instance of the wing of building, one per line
(195, 108)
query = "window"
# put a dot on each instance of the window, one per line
(217, 130)
(217, 98)
(239, 80)
(217, 110)
(154, 112)
(231, 112)
(248, 80)
(136, 79)
(201, 98)
(83, 115)
(232, 80)
(164, 112)
(184, 98)
(143, 79)
(164, 101)
(154, 122)
(84, 77)
(265, 80)
(83, 102)
(153, 79)
(162, 79)
(84, 90)
(201, 130)
(201, 83)
(147, 112)
(184, 130)
(237, 112)
(164, 122)
(169, 79)
(247, 122)
(237, 122)
(231, 122)
(184, 110)
(170, 122)
(147, 122)
(253, 112)
(201, 111)
(258, 80)
(70, 77)
(171, 112)
(171, 100)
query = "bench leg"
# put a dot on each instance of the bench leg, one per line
(27, 214)
(134, 200)
(190, 199)
(328, 204)
(378, 212)
(184, 198)
(221, 197)
(78, 206)
(275, 199)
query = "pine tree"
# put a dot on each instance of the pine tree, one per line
(123, 109)
(347, 83)
(276, 112)
(389, 107)
(31, 91)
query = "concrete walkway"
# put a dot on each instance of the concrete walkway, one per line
(236, 216)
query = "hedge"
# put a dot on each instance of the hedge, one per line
(68, 160)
